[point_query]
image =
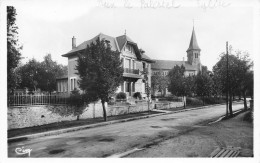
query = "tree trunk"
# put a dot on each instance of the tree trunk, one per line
(230, 104)
(184, 102)
(203, 100)
(244, 96)
(104, 110)
(77, 117)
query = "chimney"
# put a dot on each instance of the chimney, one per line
(73, 42)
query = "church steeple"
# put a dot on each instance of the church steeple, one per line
(193, 52)
(193, 42)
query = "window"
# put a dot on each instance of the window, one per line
(196, 55)
(127, 86)
(122, 87)
(73, 83)
(63, 86)
(122, 61)
(61, 83)
(127, 63)
(58, 86)
(129, 48)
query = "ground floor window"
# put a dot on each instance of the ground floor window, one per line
(73, 83)
(133, 87)
(127, 86)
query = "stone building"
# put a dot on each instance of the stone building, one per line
(134, 63)
(192, 65)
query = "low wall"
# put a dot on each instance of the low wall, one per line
(167, 105)
(28, 116)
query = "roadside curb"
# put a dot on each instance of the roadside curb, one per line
(223, 117)
(72, 129)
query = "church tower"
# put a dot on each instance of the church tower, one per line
(193, 52)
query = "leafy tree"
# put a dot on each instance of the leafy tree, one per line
(100, 71)
(13, 49)
(31, 74)
(159, 82)
(238, 69)
(41, 75)
(217, 86)
(244, 65)
(250, 83)
(177, 81)
(190, 85)
(52, 71)
(204, 83)
(220, 73)
(76, 100)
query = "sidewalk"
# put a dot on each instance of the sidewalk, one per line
(70, 126)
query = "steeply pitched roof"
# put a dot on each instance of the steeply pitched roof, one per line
(146, 58)
(193, 42)
(116, 44)
(121, 40)
(85, 43)
(167, 65)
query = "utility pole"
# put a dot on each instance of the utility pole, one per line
(227, 83)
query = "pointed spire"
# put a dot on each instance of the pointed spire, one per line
(193, 42)
(125, 31)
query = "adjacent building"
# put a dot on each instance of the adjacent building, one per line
(134, 60)
(62, 85)
(192, 65)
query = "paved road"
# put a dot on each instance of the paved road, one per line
(108, 140)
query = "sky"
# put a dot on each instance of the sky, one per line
(162, 30)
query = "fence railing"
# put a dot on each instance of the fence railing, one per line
(26, 100)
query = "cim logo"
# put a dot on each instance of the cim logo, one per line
(22, 151)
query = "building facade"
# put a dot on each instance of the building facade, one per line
(134, 60)
(192, 65)
(62, 85)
